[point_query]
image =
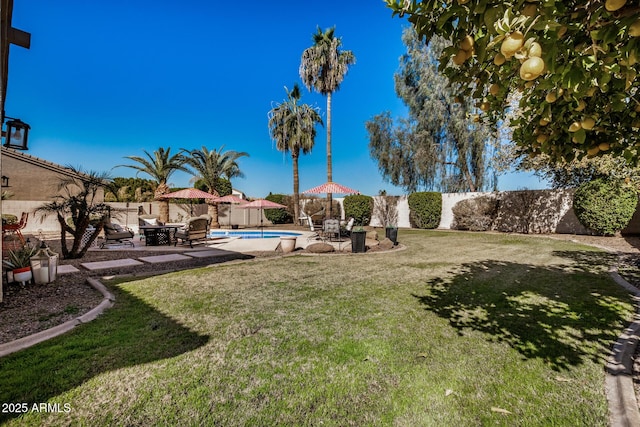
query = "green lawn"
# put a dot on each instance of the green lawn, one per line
(460, 329)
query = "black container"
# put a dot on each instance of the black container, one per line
(357, 241)
(391, 233)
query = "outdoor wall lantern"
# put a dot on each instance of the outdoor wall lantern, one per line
(44, 265)
(17, 134)
(5, 181)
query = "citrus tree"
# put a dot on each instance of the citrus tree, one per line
(570, 65)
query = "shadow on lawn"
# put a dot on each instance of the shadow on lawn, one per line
(129, 334)
(562, 314)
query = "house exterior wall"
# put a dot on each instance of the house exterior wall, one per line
(32, 178)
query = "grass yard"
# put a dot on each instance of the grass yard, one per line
(459, 329)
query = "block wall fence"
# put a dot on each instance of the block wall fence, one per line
(550, 211)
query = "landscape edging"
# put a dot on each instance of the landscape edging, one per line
(31, 340)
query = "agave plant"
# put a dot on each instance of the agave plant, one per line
(20, 258)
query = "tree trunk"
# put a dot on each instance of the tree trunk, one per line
(164, 203)
(212, 210)
(296, 189)
(329, 167)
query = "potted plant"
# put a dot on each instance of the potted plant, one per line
(18, 262)
(358, 238)
(391, 233)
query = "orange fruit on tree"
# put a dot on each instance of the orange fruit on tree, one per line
(613, 5)
(512, 43)
(531, 68)
(467, 43)
(588, 123)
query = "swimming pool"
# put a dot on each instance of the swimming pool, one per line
(252, 234)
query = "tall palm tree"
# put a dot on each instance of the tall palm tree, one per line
(159, 166)
(210, 165)
(323, 67)
(293, 128)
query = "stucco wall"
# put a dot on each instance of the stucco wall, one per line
(31, 178)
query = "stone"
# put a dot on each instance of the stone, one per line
(372, 235)
(370, 243)
(386, 244)
(320, 248)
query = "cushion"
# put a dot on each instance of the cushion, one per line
(150, 221)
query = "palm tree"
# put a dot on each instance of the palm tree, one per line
(323, 67)
(159, 166)
(293, 128)
(208, 166)
(77, 207)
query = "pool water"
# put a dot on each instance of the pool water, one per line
(252, 234)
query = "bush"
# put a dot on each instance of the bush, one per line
(477, 214)
(604, 205)
(279, 216)
(360, 207)
(425, 209)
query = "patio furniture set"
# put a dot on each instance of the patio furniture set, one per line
(155, 233)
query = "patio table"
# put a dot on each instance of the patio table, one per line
(156, 235)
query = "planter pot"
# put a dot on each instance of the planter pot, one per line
(391, 233)
(22, 274)
(357, 241)
(288, 243)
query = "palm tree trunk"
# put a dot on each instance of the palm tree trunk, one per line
(329, 167)
(212, 210)
(296, 189)
(163, 208)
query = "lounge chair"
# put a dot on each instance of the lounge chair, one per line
(315, 235)
(196, 228)
(114, 233)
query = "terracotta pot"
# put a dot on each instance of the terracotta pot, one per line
(288, 243)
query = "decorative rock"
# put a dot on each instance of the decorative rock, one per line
(386, 244)
(370, 243)
(372, 235)
(320, 248)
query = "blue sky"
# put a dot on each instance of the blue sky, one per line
(109, 79)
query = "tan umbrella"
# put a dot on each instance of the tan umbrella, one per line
(231, 199)
(189, 193)
(262, 204)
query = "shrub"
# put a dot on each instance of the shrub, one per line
(386, 210)
(604, 205)
(477, 214)
(360, 207)
(279, 216)
(425, 209)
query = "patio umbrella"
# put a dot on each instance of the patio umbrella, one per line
(262, 204)
(331, 188)
(232, 200)
(189, 193)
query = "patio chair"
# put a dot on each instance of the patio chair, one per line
(115, 233)
(348, 227)
(209, 219)
(194, 229)
(15, 228)
(331, 228)
(315, 235)
(303, 218)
